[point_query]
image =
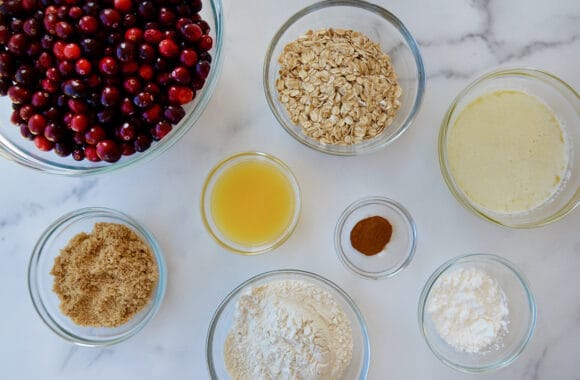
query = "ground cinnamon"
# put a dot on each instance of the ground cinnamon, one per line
(370, 236)
(105, 277)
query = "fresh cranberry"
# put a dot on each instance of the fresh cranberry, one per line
(143, 142)
(110, 18)
(62, 148)
(25, 75)
(188, 57)
(143, 100)
(129, 67)
(110, 96)
(75, 13)
(123, 5)
(43, 144)
(36, 124)
(133, 35)
(153, 36)
(88, 24)
(74, 88)
(91, 154)
(79, 123)
(31, 27)
(205, 28)
(127, 132)
(108, 150)
(40, 99)
(146, 72)
(48, 86)
(181, 75)
(83, 67)
(72, 51)
(202, 69)
(126, 52)
(132, 85)
(127, 149)
(146, 10)
(191, 32)
(168, 48)
(205, 43)
(153, 114)
(179, 95)
(95, 134)
(78, 154)
(25, 112)
(108, 66)
(127, 107)
(66, 68)
(19, 95)
(161, 130)
(77, 106)
(174, 114)
(64, 30)
(54, 133)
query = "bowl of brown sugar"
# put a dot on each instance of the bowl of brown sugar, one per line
(375, 237)
(96, 277)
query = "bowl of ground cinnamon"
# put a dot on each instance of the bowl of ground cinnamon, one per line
(96, 277)
(375, 237)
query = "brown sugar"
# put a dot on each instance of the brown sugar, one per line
(105, 277)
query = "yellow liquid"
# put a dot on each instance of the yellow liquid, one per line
(507, 152)
(252, 203)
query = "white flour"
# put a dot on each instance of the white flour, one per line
(469, 309)
(288, 330)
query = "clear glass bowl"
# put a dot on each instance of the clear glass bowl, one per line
(223, 318)
(522, 315)
(379, 25)
(209, 221)
(22, 151)
(563, 100)
(400, 249)
(40, 281)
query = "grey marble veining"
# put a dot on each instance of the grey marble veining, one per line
(459, 40)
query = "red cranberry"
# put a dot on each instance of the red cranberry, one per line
(64, 30)
(143, 142)
(146, 72)
(25, 132)
(153, 36)
(182, 21)
(75, 13)
(18, 95)
(62, 148)
(74, 88)
(191, 32)
(78, 154)
(126, 52)
(127, 132)
(129, 67)
(205, 43)
(181, 75)
(58, 50)
(25, 75)
(36, 124)
(188, 57)
(108, 150)
(179, 95)
(25, 112)
(6, 65)
(88, 24)
(54, 133)
(143, 100)
(202, 69)
(110, 18)
(43, 144)
(95, 134)
(77, 106)
(72, 51)
(79, 123)
(129, 20)
(18, 44)
(146, 53)
(146, 10)
(127, 149)
(133, 35)
(152, 88)
(66, 68)
(91, 154)
(204, 26)
(31, 27)
(123, 5)
(174, 114)
(40, 99)
(108, 66)
(127, 107)
(48, 86)
(83, 67)
(132, 85)
(161, 130)
(153, 114)
(110, 96)
(168, 48)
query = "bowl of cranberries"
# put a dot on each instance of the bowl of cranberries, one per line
(88, 86)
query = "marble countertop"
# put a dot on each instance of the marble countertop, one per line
(459, 40)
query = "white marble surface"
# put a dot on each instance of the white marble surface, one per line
(459, 40)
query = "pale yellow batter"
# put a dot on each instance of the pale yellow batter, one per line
(507, 152)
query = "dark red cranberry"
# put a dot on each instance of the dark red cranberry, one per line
(25, 75)
(6, 65)
(5, 34)
(45, 60)
(108, 66)
(146, 72)
(205, 28)
(191, 32)
(205, 56)
(77, 106)
(110, 18)
(114, 39)
(25, 112)
(195, 6)
(161, 130)
(19, 95)
(88, 24)
(143, 142)
(181, 75)
(152, 88)
(52, 113)
(78, 154)
(146, 10)
(18, 44)
(49, 86)
(126, 52)
(127, 107)
(153, 36)
(54, 133)
(129, 20)
(62, 148)
(95, 134)
(108, 150)
(91, 47)
(75, 13)
(127, 149)
(40, 99)
(34, 49)
(153, 114)
(174, 114)
(64, 30)
(110, 96)
(25, 132)
(66, 68)
(182, 21)
(74, 88)
(179, 95)
(15, 118)
(146, 53)
(202, 69)
(129, 67)
(166, 16)
(31, 27)
(205, 43)
(127, 132)
(143, 100)
(72, 51)
(108, 115)
(132, 85)
(197, 83)
(91, 154)
(188, 57)
(168, 48)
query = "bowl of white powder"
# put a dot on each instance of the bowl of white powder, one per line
(477, 313)
(288, 324)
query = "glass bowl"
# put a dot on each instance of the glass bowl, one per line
(207, 215)
(22, 151)
(563, 100)
(379, 25)
(399, 250)
(40, 281)
(522, 315)
(223, 318)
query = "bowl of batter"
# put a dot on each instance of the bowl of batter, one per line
(508, 147)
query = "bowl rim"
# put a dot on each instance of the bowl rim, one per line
(7, 149)
(528, 72)
(275, 273)
(410, 42)
(34, 287)
(206, 214)
(384, 201)
(478, 257)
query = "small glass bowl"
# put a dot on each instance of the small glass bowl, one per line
(206, 213)
(223, 320)
(399, 250)
(17, 149)
(379, 25)
(563, 100)
(40, 281)
(522, 315)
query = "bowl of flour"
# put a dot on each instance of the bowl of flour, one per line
(477, 313)
(288, 324)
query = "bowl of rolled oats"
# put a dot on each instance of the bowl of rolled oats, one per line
(344, 77)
